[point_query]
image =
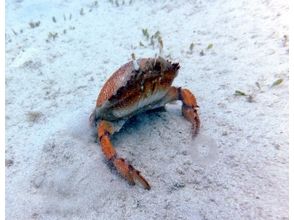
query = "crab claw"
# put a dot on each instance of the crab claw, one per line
(190, 113)
(130, 173)
(189, 110)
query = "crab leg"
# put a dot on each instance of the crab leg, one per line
(189, 107)
(105, 130)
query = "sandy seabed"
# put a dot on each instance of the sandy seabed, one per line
(59, 54)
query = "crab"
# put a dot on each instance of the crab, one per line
(137, 86)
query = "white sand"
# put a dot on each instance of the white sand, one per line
(55, 170)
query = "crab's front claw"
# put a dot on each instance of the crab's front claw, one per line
(189, 109)
(130, 173)
(191, 114)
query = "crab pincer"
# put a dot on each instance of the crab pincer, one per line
(130, 173)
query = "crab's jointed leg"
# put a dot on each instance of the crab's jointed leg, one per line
(105, 130)
(189, 107)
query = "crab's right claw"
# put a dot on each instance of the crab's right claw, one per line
(130, 173)
(190, 109)
(105, 129)
(191, 114)
(138, 177)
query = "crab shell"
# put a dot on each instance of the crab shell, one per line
(135, 87)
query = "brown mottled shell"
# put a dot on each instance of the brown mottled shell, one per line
(135, 86)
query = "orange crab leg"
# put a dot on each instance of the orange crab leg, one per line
(105, 129)
(189, 107)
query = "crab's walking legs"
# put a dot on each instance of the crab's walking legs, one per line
(105, 129)
(189, 107)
